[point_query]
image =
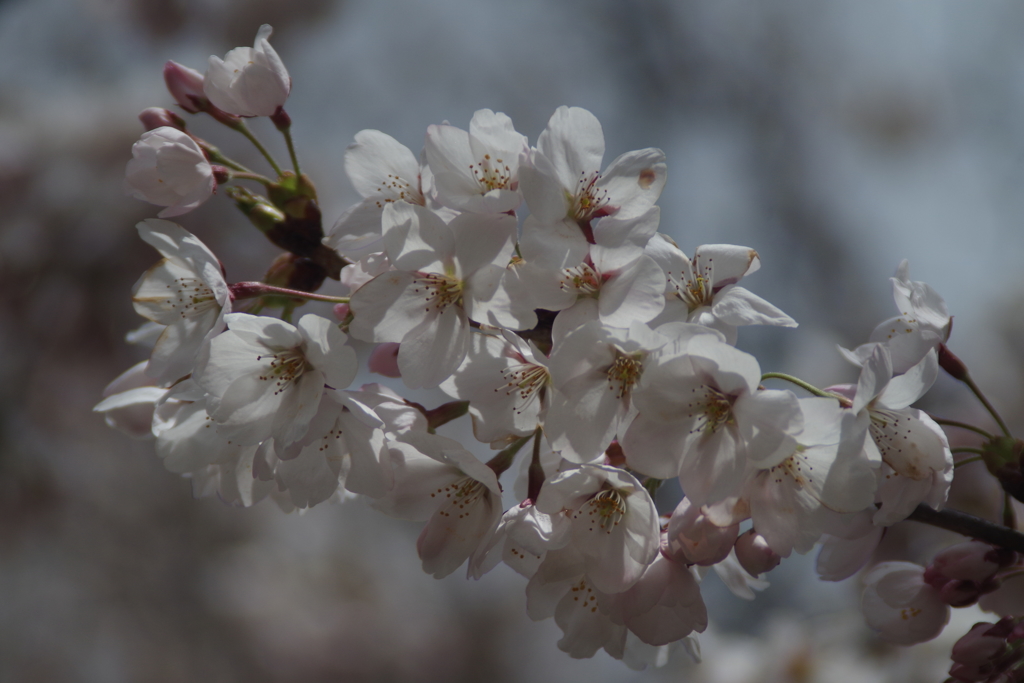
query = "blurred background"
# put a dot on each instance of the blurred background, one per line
(834, 138)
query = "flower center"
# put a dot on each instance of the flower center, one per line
(795, 467)
(589, 199)
(460, 495)
(712, 410)
(191, 297)
(528, 381)
(605, 510)
(492, 174)
(439, 291)
(395, 188)
(285, 367)
(623, 373)
(695, 286)
(582, 279)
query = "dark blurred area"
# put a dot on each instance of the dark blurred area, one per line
(834, 138)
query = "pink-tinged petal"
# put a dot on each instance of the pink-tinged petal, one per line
(494, 130)
(920, 301)
(302, 399)
(635, 294)
(785, 512)
(386, 308)
(326, 350)
(432, 352)
(634, 181)
(131, 411)
(384, 360)
(311, 477)
(416, 239)
(664, 606)
(418, 481)
(738, 306)
(486, 300)
(841, 558)
(573, 143)
(586, 629)
(874, 376)
(467, 514)
(382, 169)
(775, 415)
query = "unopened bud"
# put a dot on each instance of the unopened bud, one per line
(693, 539)
(281, 119)
(186, 87)
(754, 553)
(957, 593)
(342, 311)
(156, 117)
(295, 272)
(221, 174)
(384, 358)
(949, 362)
(971, 561)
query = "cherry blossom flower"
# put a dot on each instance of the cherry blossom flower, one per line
(566, 190)
(912, 446)
(438, 480)
(383, 171)
(900, 605)
(704, 290)
(702, 418)
(507, 383)
(186, 292)
(614, 523)
(663, 606)
(344, 446)
(446, 275)
(477, 170)
(169, 169)
(249, 81)
(265, 377)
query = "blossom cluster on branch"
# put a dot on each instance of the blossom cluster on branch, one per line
(595, 357)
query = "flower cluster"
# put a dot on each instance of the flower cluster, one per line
(582, 343)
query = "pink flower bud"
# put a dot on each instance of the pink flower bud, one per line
(157, 117)
(959, 593)
(169, 169)
(186, 87)
(384, 360)
(755, 555)
(979, 645)
(341, 311)
(970, 561)
(693, 539)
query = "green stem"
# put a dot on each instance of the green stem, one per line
(799, 382)
(961, 425)
(244, 130)
(1009, 517)
(287, 132)
(988, 406)
(967, 461)
(253, 176)
(287, 310)
(967, 449)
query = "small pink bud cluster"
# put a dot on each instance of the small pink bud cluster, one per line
(964, 572)
(990, 653)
